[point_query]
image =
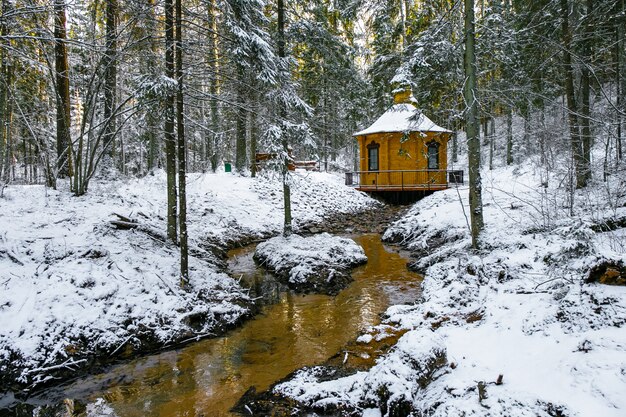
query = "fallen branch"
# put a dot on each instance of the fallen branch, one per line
(196, 338)
(120, 346)
(11, 257)
(166, 284)
(551, 280)
(67, 364)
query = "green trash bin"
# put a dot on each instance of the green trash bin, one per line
(227, 167)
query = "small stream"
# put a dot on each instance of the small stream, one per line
(291, 331)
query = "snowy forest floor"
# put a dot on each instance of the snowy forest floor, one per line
(76, 292)
(519, 328)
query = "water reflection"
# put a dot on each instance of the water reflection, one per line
(208, 377)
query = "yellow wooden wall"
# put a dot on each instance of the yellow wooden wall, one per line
(412, 157)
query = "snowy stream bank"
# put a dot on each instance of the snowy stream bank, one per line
(77, 293)
(518, 328)
(293, 330)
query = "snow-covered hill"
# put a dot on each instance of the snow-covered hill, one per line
(75, 289)
(524, 332)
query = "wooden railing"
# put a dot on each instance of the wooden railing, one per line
(404, 180)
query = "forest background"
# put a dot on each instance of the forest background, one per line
(110, 89)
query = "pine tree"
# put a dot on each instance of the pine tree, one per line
(170, 137)
(110, 75)
(63, 116)
(181, 145)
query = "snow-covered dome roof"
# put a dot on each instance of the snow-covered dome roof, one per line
(402, 117)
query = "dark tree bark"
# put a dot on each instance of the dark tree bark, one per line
(509, 136)
(455, 143)
(7, 128)
(4, 96)
(287, 228)
(240, 129)
(6, 102)
(491, 125)
(62, 92)
(152, 122)
(620, 74)
(214, 82)
(170, 138)
(585, 111)
(182, 169)
(572, 109)
(254, 133)
(110, 76)
(472, 126)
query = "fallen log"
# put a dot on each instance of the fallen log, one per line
(124, 225)
(124, 218)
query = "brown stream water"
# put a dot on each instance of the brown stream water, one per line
(208, 377)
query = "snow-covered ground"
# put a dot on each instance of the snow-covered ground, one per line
(72, 285)
(523, 332)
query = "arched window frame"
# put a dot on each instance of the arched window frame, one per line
(432, 150)
(373, 156)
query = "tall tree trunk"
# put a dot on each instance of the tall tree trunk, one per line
(572, 110)
(254, 133)
(509, 136)
(110, 77)
(62, 92)
(585, 110)
(455, 142)
(182, 167)
(491, 125)
(240, 130)
(6, 99)
(618, 103)
(8, 125)
(526, 128)
(334, 134)
(152, 128)
(287, 228)
(472, 127)
(25, 158)
(214, 62)
(402, 26)
(4, 94)
(325, 130)
(621, 76)
(170, 138)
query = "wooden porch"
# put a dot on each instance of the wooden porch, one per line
(403, 180)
